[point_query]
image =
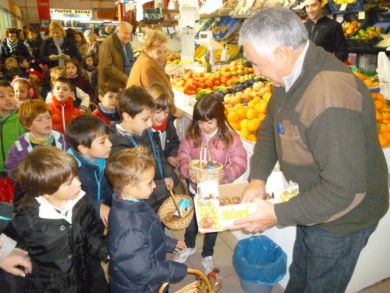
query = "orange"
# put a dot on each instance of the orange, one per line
(261, 107)
(261, 117)
(382, 140)
(379, 105)
(360, 75)
(251, 114)
(267, 96)
(242, 113)
(253, 125)
(368, 82)
(244, 132)
(252, 137)
(235, 126)
(244, 124)
(233, 116)
(386, 135)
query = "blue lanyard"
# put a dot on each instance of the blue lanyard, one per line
(156, 153)
(135, 144)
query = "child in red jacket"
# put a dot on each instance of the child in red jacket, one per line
(62, 108)
(107, 108)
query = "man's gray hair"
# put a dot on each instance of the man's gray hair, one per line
(270, 28)
(124, 24)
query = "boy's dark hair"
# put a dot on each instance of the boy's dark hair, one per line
(66, 80)
(161, 97)
(5, 83)
(108, 88)
(134, 100)
(44, 170)
(125, 166)
(12, 30)
(83, 130)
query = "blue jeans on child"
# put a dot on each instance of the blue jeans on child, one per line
(324, 261)
(208, 242)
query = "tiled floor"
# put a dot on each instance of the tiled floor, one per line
(223, 260)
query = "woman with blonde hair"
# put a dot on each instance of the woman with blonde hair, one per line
(149, 67)
(58, 48)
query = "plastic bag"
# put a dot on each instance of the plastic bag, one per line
(384, 74)
(259, 259)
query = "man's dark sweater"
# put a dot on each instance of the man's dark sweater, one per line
(329, 146)
(328, 34)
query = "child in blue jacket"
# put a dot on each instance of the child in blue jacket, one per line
(137, 243)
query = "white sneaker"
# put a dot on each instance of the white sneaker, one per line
(208, 264)
(183, 255)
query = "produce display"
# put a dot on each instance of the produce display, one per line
(370, 81)
(349, 28)
(339, 2)
(382, 107)
(367, 34)
(173, 58)
(246, 110)
(192, 82)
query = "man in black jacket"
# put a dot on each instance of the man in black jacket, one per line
(325, 32)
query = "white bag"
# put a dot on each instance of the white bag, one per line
(383, 71)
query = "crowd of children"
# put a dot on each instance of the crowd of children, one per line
(90, 171)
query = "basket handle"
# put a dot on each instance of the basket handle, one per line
(172, 195)
(197, 273)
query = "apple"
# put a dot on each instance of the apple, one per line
(208, 222)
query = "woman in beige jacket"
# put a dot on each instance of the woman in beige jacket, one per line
(149, 67)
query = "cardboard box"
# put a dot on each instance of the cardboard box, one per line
(213, 217)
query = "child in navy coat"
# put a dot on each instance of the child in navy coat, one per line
(137, 243)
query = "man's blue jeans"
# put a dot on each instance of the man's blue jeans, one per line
(324, 261)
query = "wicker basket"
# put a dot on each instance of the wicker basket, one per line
(205, 170)
(201, 285)
(169, 207)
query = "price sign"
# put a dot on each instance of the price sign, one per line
(343, 7)
(362, 15)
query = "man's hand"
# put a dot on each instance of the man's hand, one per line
(255, 189)
(104, 212)
(17, 263)
(180, 245)
(263, 219)
(65, 57)
(169, 183)
(53, 57)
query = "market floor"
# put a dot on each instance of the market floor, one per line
(223, 260)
